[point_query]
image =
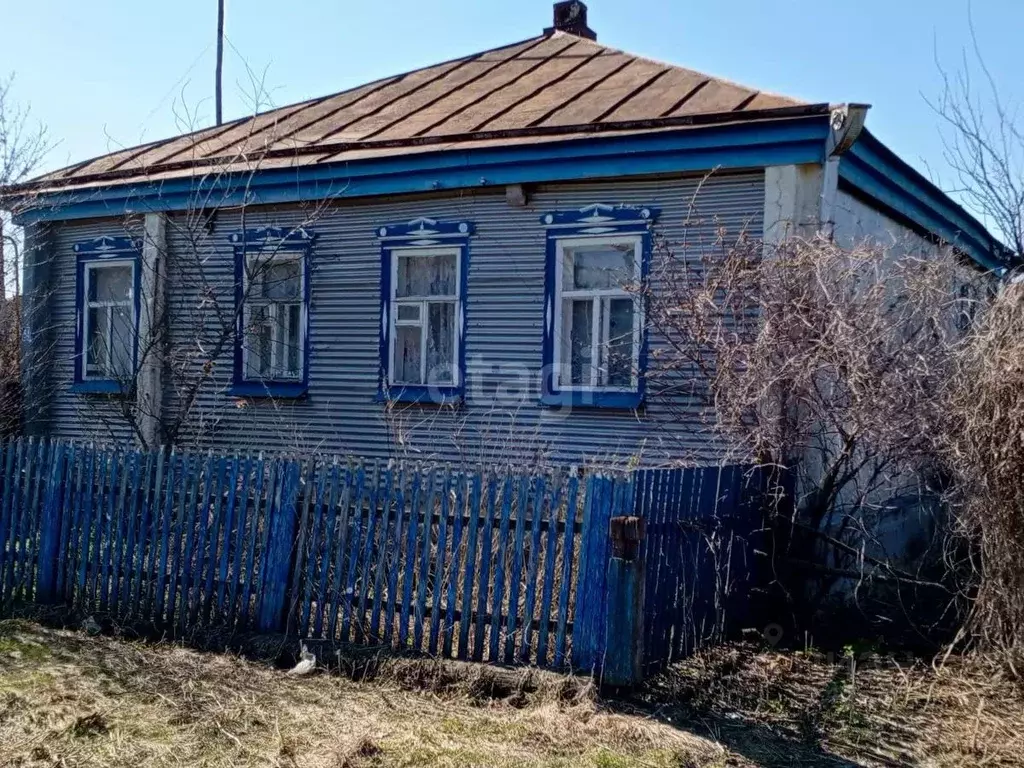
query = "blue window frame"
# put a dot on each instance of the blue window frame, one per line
(424, 269)
(107, 305)
(272, 290)
(595, 341)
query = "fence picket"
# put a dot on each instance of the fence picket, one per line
(189, 542)
(547, 595)
(161, 546)
(257, 523)
(427, 512)
(212, 539)
(67, 513)
(331, 496)
(11, 465)
(439, 563)
(348, 599)
(372, 496)
(382, 554)
(499, 572)
(453, 578)
(341, 547)
(522, 515)
(410, 559)
(396, 560)
(485, 569)
(316, 489)
(531, 574)
(225, 537)
(150, 519)
(467, 580)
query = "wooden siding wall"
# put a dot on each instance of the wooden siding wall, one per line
(504, 332)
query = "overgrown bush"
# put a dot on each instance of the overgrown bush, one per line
(984, 444)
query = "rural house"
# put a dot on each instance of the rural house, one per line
(436, 264)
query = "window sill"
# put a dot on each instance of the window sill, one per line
(269, 389)
(101, 387)
(593, 399)
(423, 395)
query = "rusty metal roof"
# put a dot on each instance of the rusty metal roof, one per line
(553, 86)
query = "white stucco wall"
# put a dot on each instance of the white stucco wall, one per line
(858, 223)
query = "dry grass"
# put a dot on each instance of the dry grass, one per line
(67, 699)
(802, 709)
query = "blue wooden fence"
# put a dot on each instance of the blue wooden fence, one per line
(702, 526)
(487, 566)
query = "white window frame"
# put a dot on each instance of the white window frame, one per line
(423, 302)
(598, 297)
(263, 260)
(88, 268)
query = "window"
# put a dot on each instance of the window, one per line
(274, 315)
(272, 299)
(594, 330)
(108, 314)
(425, 299)
(597, 326)
(423, 280)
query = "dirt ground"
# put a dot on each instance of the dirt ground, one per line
(71, 699)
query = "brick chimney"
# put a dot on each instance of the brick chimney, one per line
(571, 17)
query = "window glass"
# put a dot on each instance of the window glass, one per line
(428, 275)
(110, 283)
(408, 343)
(440, 343)
(96, 345)
(598, 267)
(578, 337)
(282, 280)
(619, 344)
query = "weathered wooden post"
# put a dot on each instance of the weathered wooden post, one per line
(624, 626)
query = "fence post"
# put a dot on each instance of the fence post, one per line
(283, 520)
(624, 625)
(50, 521)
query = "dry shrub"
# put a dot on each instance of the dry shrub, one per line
(827, 362)
(985, 446)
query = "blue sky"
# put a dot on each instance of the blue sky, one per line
(110, 73)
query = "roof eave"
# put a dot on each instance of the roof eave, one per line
(870, 169)
(796, 136)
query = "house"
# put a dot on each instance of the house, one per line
(435, 264)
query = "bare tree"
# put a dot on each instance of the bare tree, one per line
(23, 145)
(826, 363)
(983, 138)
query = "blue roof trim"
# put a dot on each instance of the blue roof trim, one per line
(751, 145)
(872, 169)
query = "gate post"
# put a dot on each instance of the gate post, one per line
(624, 625)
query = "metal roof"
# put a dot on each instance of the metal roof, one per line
(554, 86)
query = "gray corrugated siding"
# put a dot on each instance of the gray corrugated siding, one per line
(504, 332)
